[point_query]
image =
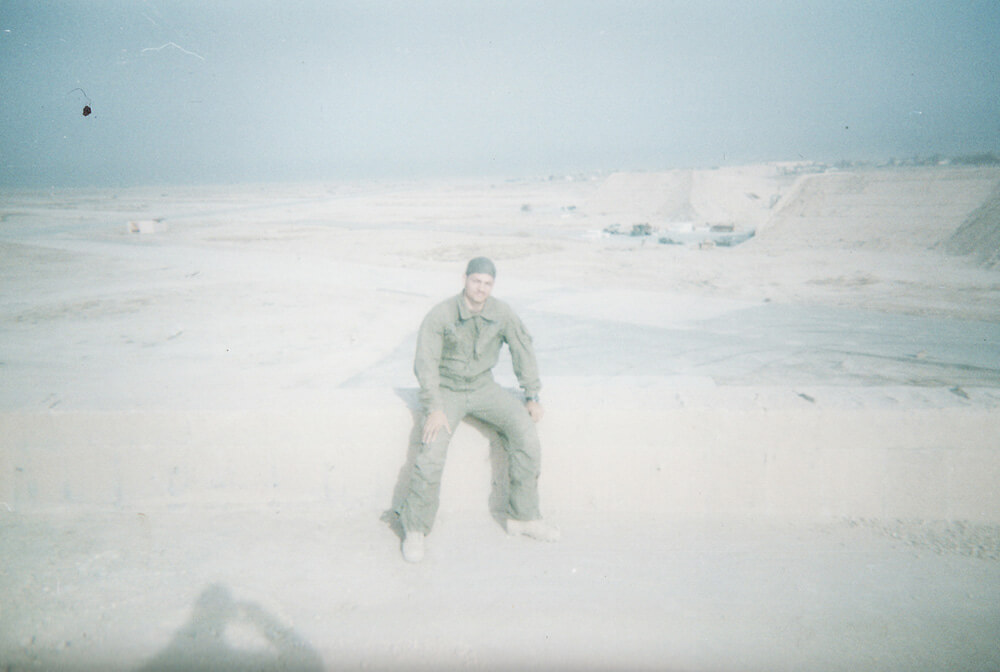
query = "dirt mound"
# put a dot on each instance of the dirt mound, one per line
(888, 209)
(655, 196)
(979, 236)
(740, 196)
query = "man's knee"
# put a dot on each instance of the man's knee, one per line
(524, 428)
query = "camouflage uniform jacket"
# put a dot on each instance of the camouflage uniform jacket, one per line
(457, 349)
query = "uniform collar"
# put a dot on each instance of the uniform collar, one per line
(487, 313)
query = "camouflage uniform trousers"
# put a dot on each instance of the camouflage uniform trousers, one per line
(498, 408)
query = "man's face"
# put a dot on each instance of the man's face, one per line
(478, 287)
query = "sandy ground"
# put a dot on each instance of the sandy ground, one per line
(275, 296)
(310, 589)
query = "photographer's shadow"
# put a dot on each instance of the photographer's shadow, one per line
(203, 643)
(499, 466)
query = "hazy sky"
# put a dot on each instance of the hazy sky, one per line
(210, 91)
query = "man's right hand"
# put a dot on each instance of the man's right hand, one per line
(436, 421)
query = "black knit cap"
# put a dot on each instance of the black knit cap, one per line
(481, 265)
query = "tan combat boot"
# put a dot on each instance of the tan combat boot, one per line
(413, 546)
(536, 529)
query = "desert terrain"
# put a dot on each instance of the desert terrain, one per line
(772, 438)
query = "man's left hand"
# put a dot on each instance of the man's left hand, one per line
(535, 410)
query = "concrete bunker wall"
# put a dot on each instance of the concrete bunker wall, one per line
(733, 453)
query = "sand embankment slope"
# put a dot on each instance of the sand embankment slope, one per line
(979, 235)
